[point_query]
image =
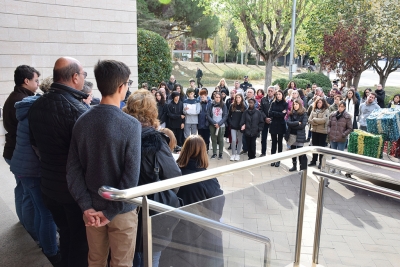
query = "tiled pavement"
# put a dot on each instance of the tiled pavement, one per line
(358, 228)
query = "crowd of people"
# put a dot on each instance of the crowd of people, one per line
(62, 150)
(63, 145)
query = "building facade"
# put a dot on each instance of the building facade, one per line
(37, 32)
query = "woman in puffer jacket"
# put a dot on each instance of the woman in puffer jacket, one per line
(339, 127)
(318, 121)
(297, 121)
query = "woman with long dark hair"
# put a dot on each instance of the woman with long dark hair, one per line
(277, 112)
(235, 115)
(297, 122)
(318, 121)
(352, 106)
(195, 245)
(366, 93)
(162, 108)
(217, 115)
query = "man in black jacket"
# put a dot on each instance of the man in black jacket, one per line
(245, 84)
(199, 75)
(171, 84)
(264, 107)
(26, 81)
(380, 95)
(51, 119)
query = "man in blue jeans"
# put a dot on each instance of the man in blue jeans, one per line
(26, 81)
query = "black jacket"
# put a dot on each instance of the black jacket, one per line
(205, 244)
(235, 117)
(10, 121)
(154, 147)
(170, 85)
(380, 97)
(199, 73)
(298, 129)
(264, 107)
(278, 124)
(174, 112)
(254, 121)
(202, 118)
(162, 112)
(51, 119)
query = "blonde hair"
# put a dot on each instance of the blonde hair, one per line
(142, 105)
(46, 84)
(172, 139)
(193, 148)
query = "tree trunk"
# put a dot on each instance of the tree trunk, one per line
(383, 79)
(224, 56)
(268, 73)
(356, 79)
(257, 58)
(201, 51)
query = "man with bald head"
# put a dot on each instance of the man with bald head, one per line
(51, 119)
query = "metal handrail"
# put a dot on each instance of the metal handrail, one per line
(181, 214)
(148, 189)
(144, 190)
(369, 187)
(320, 206)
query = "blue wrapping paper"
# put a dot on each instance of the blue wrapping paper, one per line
(385, 121)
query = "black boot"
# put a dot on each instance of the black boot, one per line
(294, 168)
(277, 164)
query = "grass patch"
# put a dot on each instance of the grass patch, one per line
(238, 74)
(212, 73)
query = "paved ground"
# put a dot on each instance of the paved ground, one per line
(359, 228)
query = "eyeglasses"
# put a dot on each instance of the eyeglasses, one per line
(83, 73)
(130, 82)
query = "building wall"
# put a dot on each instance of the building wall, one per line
(37, 32)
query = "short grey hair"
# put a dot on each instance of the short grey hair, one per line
(271, 86)
(319, 89)
(87, 87)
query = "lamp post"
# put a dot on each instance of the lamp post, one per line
(292, 41)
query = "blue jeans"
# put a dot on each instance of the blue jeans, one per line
(138, 260)
(24, 206)
(44, 223)
(264, 136)
(244, 144)
(338, 146)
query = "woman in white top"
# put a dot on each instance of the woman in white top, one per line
(352, 107)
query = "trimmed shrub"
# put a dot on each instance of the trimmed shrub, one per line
(300, 83)
(238, 74)
(319, 78)
(282, 83)
(154, 58)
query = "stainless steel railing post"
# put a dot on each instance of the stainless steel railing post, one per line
(147, 234)
(300, 216)
(323, 163)
(318, 220)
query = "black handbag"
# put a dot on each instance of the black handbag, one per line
(163, 232)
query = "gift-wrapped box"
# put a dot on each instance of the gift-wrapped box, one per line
(392, 148)
(385, 121)
(364, 143)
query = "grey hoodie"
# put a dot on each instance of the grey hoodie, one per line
(365, 110)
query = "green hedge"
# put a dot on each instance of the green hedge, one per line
(154, 58)
(314, 77)
(238, 74)
(300, 83)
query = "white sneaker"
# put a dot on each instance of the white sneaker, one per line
(237, 157)
(232, 157)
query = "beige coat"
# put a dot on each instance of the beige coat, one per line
(318, 121)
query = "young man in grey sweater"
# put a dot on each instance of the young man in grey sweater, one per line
(105, 150)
